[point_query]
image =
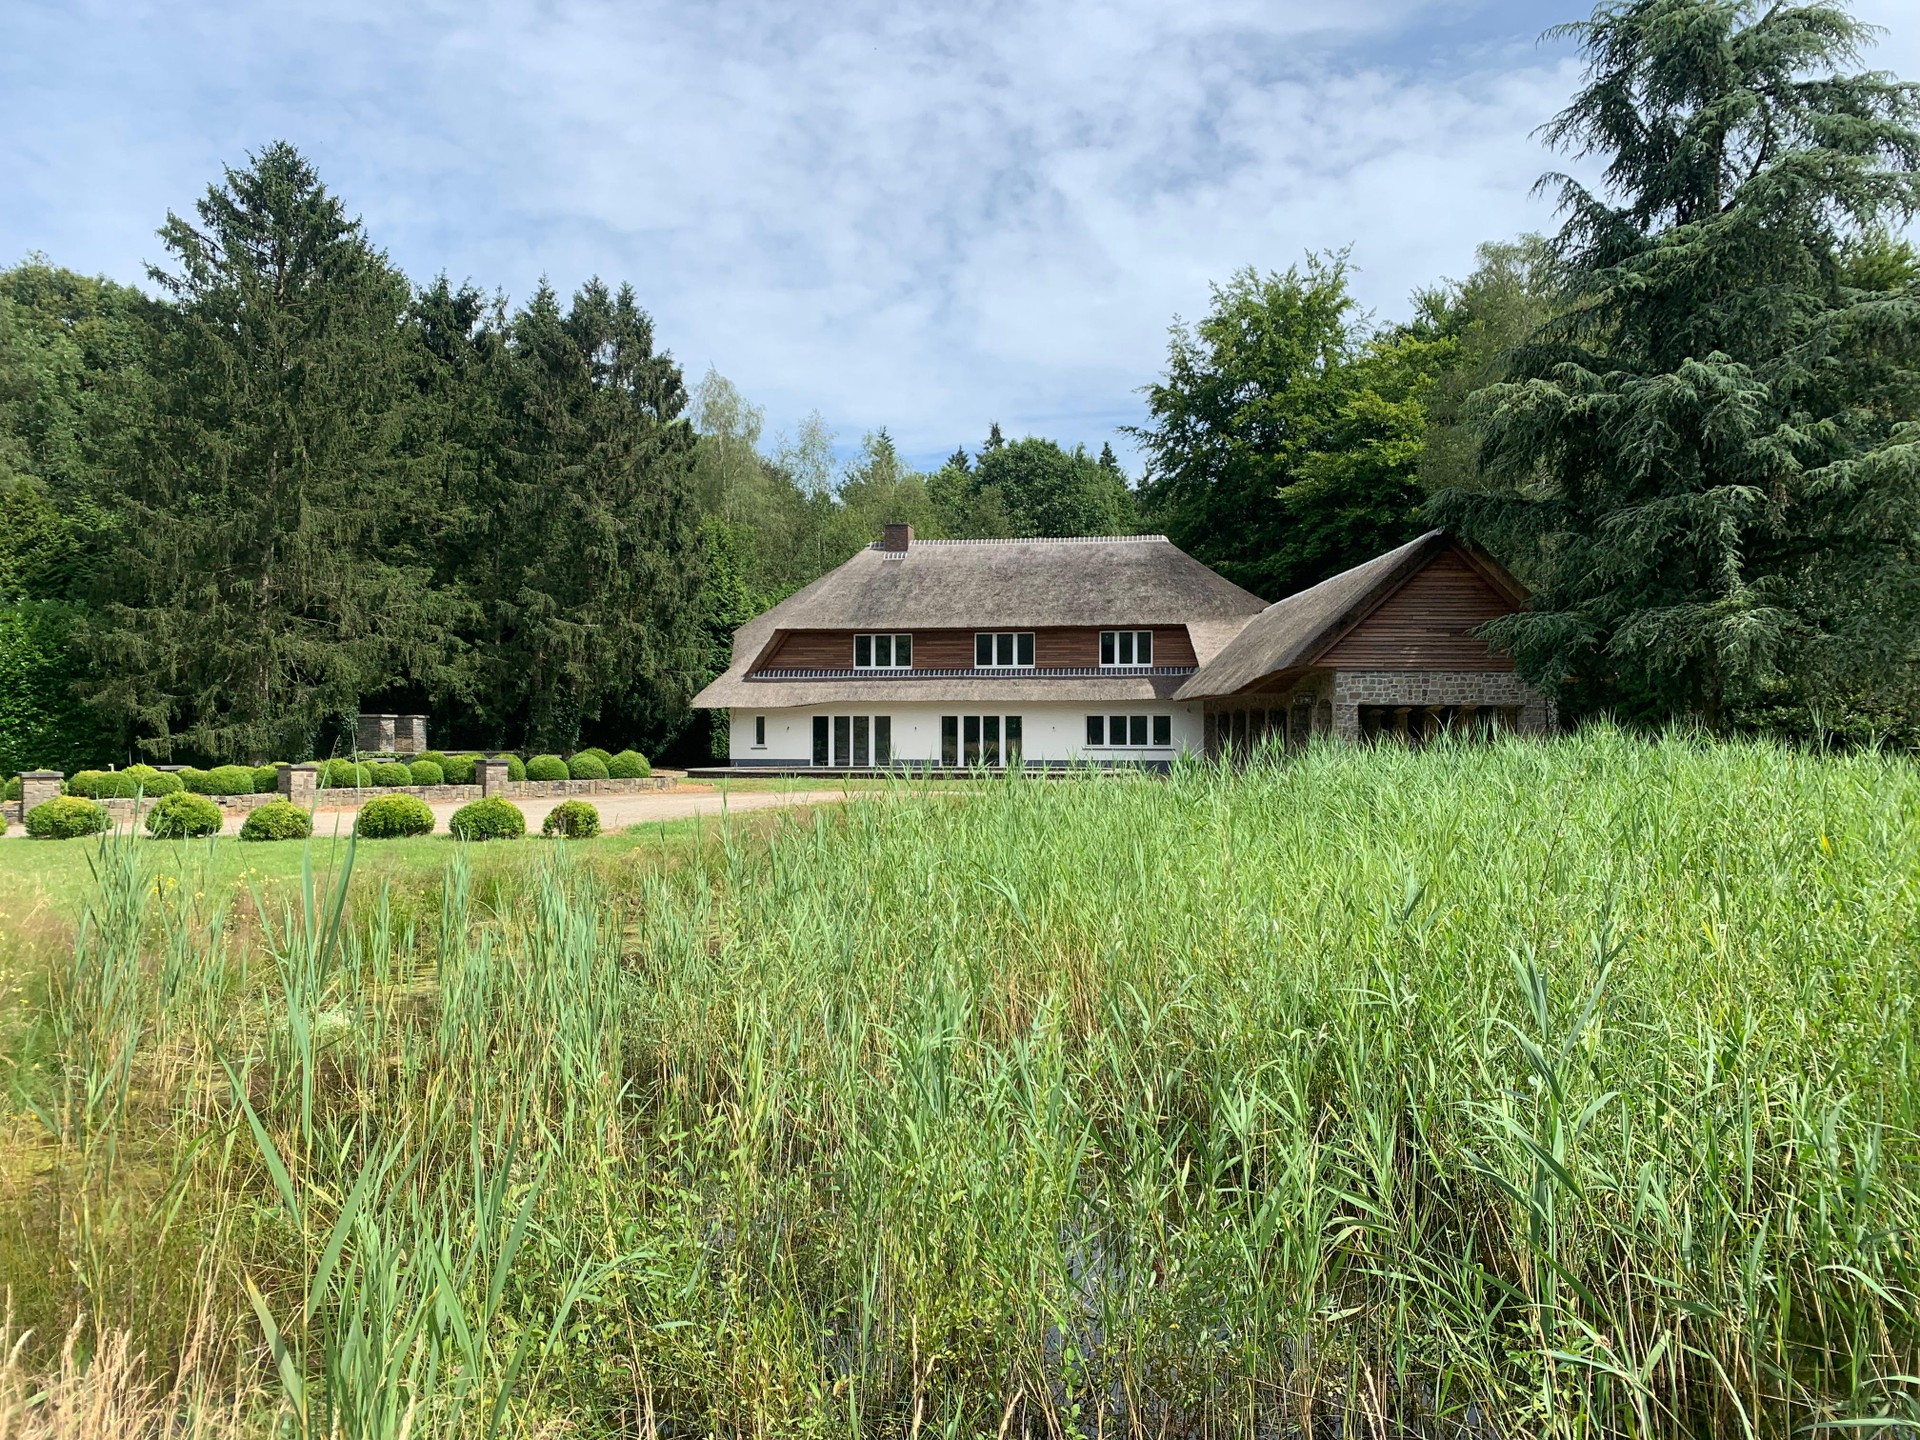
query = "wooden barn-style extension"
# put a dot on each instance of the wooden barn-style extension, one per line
(962, 655)
(1384, 650)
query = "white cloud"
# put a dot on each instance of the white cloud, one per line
(927, 217)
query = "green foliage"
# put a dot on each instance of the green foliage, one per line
(460, 769)
(390, 772)
(102, 784)
(1032, 487)
(11, 790)
(432, 757)
(228, 780)
(345, 775)
(67, 817)
(595, 751)
(516, 767)
(153, 783)
(266, 779)
(426, 772)
(548, 767)
(182, 816)
(193, 780)
(391, 817)
(493, 818)
(628, 765)
(42, 722)
(583, 766)
(277, 820)
(1286, 436)
(572, 820)
(1704, 467)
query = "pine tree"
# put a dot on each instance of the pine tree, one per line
(1705, 466)
(994, 439)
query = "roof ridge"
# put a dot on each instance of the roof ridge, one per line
(1035, 540)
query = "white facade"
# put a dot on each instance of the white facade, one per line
(935, 732)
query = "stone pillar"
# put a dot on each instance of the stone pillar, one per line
(37, 786)
(493, 776)
(373, 735)
(300, 784)
(410, 734)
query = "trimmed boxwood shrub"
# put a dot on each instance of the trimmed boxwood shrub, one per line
(434, 756)
(391, 772)
(392, 817)
(427, 772)
(460, 769)
(344, 775)
(266, 779)
(594, 750)
(277, 820)
(572, 820)
(548, 767)
(12, 790)
(193, 780)
(586, 767)
(516, 767)
(181, 816)
(490, 819)
(101, 785)
(66, 817)
(229, 780)
(629, 765)
(3, 822)
(153, 783)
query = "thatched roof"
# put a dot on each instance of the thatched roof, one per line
(992, 584)
(1289, 633)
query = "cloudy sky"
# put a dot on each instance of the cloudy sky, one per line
(925, 216)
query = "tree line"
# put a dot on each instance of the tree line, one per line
(285, 484)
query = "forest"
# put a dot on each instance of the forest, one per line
(282, 481)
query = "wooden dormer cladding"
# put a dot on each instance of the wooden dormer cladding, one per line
(1426, 623)
(1056, 647)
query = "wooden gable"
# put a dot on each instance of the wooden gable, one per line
(1426, 623)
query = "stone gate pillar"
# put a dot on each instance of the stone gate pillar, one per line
(300, 784)
(493, 776)
(37, 786)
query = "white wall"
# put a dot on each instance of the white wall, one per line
(1051, 732)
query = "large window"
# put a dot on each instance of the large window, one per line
(1126, 647)
(852, 741)
(1003, 649)
(883, 652)
(1134, 732)
(970, 740)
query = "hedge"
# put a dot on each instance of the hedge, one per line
(277, 820)
(390, 772)
(516, 767)
(182, 816)
(586, 767)
(572, 820)
(154, 783)
(490, 819)
(229, 780)
(102, 785)
(460, 769)
(344, 775)
(266, 779)
(193, 780)
(392, 817)
(594, 750)
(432, 756)
(426, 772)
(66, 817)
(628, 765)
(548, 767)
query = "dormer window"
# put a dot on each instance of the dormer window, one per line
(883, 652)
(1003, 650)
(1126, 647)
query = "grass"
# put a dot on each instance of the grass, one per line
(1563, 1089)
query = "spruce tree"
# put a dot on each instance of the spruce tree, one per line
(1705, 466)
(255, 595)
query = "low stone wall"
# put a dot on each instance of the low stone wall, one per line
(541, 789)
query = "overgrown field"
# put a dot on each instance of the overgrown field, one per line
(1534, 1089)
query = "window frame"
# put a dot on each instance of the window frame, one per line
(981, 741)
(1017, 643)
(759, 732)
(1117, 732)
(1138, 643)
(898, 643)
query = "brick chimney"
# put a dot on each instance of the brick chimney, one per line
(896, 537)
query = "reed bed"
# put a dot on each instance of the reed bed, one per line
(1530, 1089)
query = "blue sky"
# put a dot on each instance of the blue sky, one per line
(924, 216)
